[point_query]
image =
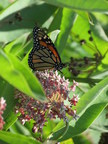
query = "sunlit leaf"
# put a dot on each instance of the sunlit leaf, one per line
(17, 138)
(98, 5)
(19, 76)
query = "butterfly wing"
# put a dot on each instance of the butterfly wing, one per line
(44, 54)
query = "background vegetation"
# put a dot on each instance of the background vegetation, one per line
(79, 29)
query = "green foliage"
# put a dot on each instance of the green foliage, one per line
(97, 6)
(16, 138)
(69, 22)
(20, 76)
(89, 107)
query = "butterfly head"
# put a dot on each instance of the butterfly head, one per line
(60, 66)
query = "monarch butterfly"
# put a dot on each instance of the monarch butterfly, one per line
(44, 54)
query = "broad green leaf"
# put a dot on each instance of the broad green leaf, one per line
(2, 85)
(80, 31)
(89, 107)
(13, 71)
(101, 121)
(89, 5)
(10, 119)
(17, 127)
(12, 8)
(11, 138)
(103, 19)
(32, 12)
(99, 35)
(85, 120)
(55, 24)
(98, 94)
(81, 139)
(67, 21)
(20, 47)
(17, 45)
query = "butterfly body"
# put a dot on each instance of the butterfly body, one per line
(44, 54)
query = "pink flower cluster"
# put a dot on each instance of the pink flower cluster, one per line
(2, 108)
(57, 92)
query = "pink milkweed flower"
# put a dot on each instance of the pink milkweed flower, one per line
(57, 90)
(74, 100)
(2, 108)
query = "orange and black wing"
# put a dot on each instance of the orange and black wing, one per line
(44, 54)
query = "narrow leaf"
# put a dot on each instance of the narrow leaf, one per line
(65, 27)
(20, 76)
